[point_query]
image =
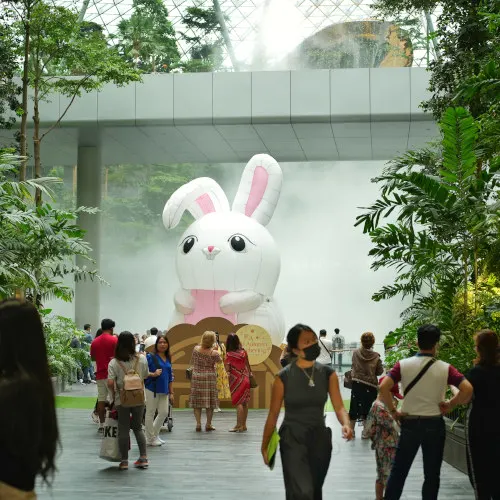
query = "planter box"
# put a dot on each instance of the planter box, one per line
(455, 451)
(58, 384)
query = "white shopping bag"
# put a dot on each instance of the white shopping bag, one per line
(109, 445)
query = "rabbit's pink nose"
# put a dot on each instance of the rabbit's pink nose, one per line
(210, 248)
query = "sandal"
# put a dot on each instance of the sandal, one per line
(242, 429)
(123, 466)
(235, 429)
(198, 428)
(209, 428)
(141, 463)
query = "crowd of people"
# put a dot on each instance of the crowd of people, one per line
(400, 412)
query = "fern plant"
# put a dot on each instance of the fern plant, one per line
(37, 243)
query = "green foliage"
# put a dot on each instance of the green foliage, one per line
(147, 38)
(437, 203)
(400, 344)
(203, 33)
(465, 37)
(9, 90)
(59, 47)
(37, 243)
(63, 359)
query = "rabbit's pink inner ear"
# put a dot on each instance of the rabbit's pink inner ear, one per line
(259, 185)
(205, 203)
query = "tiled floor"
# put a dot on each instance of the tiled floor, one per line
(220, 465)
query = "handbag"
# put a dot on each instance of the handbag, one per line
(348, 379)
(109, 444)
(253, 381)
(189, 370)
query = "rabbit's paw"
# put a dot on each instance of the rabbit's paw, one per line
(239, 302)
(184, 301)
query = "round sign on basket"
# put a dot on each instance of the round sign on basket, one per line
(257, 343)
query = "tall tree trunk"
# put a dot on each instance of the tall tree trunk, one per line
(466, 282)
(25, 79)
(36, 142)
(225, 35)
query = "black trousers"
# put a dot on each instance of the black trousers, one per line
(483, 457)
(305, 457)
(430, 434)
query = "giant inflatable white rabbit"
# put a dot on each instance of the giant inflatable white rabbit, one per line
(227, 261)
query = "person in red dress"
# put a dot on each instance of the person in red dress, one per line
(238, 368)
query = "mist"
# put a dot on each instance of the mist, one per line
(325, 279)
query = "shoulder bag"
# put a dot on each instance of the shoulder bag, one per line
(348, 379)
(158, 367)
(253, 380)
(189, 369)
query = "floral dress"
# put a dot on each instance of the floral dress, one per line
(381, 428)
(222, 378)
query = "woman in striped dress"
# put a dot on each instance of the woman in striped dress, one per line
(204, 380)
(238, 368)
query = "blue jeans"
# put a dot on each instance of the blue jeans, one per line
(88, 373)
(430, 434)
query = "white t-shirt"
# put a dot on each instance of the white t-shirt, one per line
(116, 373)
(325, 357)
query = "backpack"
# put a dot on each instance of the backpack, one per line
(132, 393)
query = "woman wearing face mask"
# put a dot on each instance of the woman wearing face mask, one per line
(305, 441)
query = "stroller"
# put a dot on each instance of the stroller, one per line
(169, 421)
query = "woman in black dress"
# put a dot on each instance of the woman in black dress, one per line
(483, 432)
(304, 386)
(28, 425)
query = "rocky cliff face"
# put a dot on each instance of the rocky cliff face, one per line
(363, 44)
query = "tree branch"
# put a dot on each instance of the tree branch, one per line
(67, 107)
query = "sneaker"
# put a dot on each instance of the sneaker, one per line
(93, 381)
(95, 417)
(141, 463)
(161, 441)
(155, 442)
(80, 381)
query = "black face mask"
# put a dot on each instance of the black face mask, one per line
(312, 352)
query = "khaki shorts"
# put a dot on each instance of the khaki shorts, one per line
(102, 390)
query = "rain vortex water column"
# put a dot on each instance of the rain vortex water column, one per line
(89, 180)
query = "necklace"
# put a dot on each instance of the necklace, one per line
(310, 377)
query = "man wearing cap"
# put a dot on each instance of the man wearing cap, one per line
(424, 381)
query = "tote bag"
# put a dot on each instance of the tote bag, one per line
(109, 444)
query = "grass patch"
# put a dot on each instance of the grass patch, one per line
(78, 403)
(329, 406)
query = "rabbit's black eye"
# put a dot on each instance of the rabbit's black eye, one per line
(237, 243)
(188, 244)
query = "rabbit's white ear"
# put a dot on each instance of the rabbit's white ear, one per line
(200, 196)
(259, 189)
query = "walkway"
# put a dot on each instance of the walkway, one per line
(219, 466)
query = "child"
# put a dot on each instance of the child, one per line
(380, 427)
